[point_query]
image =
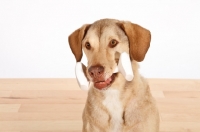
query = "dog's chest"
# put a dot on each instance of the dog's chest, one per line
(114, 106)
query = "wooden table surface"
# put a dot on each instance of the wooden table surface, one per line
(56, 105)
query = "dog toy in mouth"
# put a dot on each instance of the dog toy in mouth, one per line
(124, 67)
(80, 76)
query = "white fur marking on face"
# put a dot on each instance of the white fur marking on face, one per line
(114, 106)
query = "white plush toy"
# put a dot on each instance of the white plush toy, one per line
(124, 66)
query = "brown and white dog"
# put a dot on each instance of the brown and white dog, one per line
(114, 104)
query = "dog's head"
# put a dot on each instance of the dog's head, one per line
(102, 43)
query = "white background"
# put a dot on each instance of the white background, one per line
(34, 35)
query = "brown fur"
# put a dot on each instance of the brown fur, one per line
(75, 41)
(123, 106)
(139, 39)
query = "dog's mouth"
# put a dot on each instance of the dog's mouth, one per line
(105, 84)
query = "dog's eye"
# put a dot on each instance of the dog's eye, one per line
(113, 43)
(87, 45)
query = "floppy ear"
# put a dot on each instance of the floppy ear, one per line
(75, 40)
(139, 40)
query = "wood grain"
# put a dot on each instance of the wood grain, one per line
(56, 105)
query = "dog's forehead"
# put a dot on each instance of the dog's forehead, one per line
(102, 31)
(102, 26)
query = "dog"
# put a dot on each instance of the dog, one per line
(115, 104)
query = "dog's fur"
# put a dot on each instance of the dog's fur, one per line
(122, 106)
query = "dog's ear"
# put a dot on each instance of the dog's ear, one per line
(139, 40)
(75, 40)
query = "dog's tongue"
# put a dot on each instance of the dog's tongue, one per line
(101, 85)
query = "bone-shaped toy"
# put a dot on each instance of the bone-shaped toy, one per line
(124, 66)
(80, 76)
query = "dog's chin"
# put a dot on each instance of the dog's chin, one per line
(102, 85)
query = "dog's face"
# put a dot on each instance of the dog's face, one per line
(102, 43)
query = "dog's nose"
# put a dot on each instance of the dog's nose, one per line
(96, 71)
